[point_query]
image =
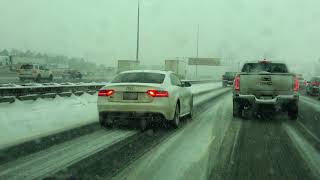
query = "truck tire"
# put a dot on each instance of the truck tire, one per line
(237, 110)
(293, 111)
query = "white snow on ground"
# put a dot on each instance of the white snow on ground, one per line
(185, 155)
(26, 120)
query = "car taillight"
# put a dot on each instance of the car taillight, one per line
(305, 83)
(236, 83)
(315, 83)
(295, 84)
(105, 92)
(155, 93)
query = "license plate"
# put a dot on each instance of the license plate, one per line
(130, 96)
(264, 83)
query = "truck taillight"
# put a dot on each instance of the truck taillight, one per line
(295, 84)
(155, 93)
(236, 83)
(105, 92)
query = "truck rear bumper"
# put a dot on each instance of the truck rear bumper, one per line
(278, 100)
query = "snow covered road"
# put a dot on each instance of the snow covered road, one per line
(213, 145)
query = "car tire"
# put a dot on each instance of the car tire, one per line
(105, 122)
(190, 115)
(143, 124)
(38, 78)
(176, 119)
(293, 111)
(237, 110)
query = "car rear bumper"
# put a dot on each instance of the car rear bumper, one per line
(229, 82)
(136, 110)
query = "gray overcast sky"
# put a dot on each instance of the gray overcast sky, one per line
(105, 30)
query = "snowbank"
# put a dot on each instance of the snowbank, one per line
(25, 120)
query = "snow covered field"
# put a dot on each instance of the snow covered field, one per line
(26, 120)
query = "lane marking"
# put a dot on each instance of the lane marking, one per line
(308, 131)
(235, 143)
(308, 152)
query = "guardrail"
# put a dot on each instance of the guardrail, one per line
(9, 92)
(18, 91)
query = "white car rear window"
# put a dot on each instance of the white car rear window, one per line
(139, 77)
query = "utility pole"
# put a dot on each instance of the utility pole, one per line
(138, 33)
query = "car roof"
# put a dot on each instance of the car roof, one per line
(147, 71)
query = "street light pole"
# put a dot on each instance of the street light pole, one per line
(198, 41)
(138, 33)
(197, 51)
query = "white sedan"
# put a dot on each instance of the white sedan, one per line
(146, 96)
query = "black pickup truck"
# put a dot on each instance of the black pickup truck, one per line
(227, 78)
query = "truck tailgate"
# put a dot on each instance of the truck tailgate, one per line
(266, 84)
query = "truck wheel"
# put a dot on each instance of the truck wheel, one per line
(237, 110)
(293, 111)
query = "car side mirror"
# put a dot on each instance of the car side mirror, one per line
(186, 84)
